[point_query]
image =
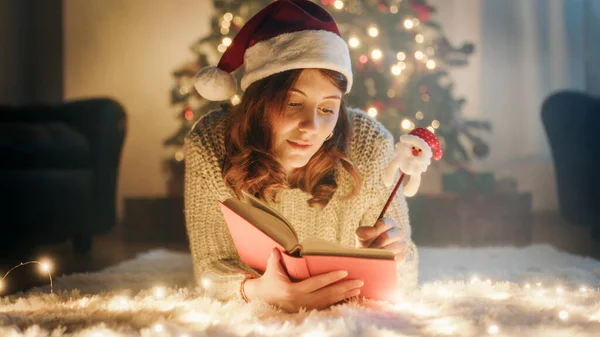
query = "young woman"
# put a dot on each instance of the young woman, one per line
(292, 143)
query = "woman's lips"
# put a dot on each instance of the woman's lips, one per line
(299, 146)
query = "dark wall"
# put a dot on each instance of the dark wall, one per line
(10, 74)
(592, 38)
(31, 57)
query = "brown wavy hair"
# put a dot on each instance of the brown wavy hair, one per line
(250, 163)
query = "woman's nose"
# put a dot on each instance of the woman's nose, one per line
(309, 121)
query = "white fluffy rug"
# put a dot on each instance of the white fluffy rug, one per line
(533, 291)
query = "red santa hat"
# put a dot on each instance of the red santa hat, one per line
(285, 35)
(425, 140)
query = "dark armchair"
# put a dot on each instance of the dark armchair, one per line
(58, 172)
(572, 123)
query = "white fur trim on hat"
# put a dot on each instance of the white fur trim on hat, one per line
(414, 140)
(215, 84)
(297, 50)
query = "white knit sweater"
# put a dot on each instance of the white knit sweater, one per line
(213, 252)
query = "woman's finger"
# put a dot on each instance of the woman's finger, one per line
(392, 235)
(399, 248)
(334, 293)
(320, 281)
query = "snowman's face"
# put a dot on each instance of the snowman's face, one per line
(416, 151)
(412, 159)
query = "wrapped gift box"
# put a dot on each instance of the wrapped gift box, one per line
(471, 219)
(468, 182)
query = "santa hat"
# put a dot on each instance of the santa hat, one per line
(425, 140)
(285, 35)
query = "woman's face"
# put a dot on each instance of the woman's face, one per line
(311, 112)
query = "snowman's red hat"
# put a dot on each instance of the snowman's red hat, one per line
(425, 140)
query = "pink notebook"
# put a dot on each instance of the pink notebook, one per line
(256, 229)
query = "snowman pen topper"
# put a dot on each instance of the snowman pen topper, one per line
(413, 155)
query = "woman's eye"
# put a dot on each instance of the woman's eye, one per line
(329, 111)
(294, 104)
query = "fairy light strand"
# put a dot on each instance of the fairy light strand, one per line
(45, 267)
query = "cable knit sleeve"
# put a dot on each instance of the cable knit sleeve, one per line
(213, 252)
(381, 155)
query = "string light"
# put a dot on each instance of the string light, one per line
(563, 315)
(409, 24)
(205, 283)
(222, 48)
(419, 38)
(527, 286)
(225, 24)
(238, 21)
(373, 31)
(376, 54)
(224, 30)
(396, 70)
(235, 100)
(227, 42)
(228, 16)
(419, 55)
(179, 156)
(431, 313)
(499, 296)
(431, 129)
(393, 9)
(419, 116)
(391, 93)
(159, 292)
(372, 112)
(435, 123)
(401, 56)
(407, 124)
(402, 65)
(45, 267)
(353, 42)
(338, 4)
(443, 292)
(431, 64)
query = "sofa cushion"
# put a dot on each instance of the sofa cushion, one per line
(42, 203)
(49, 145)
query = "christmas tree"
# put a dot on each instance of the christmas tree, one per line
(400, 60)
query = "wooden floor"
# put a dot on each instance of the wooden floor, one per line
(112, 248)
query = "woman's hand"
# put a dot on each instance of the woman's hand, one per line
(317, 292)
(385, 235)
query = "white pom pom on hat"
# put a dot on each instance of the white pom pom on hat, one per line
(285, 35)
(215, 84)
